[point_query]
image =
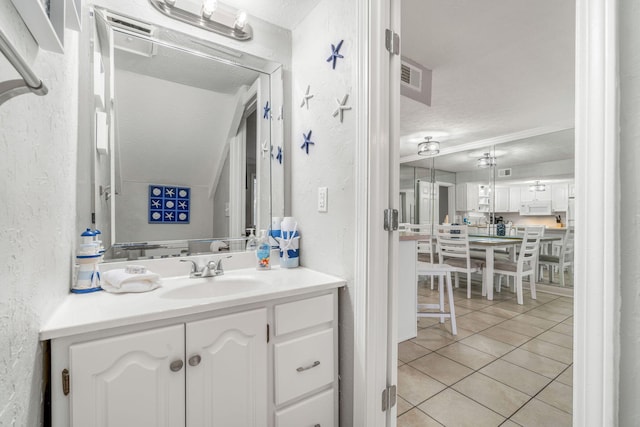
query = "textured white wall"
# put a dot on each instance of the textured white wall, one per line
(629, 410)
(37, 214)
(327, 238)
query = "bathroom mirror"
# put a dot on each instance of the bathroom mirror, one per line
(187, 136)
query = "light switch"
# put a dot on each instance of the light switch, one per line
(323, 195)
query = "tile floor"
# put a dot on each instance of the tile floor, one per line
(509, 365)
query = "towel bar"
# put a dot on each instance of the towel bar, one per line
(29, 82)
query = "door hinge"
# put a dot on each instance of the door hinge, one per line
(65, 381)
(388, 398)
(267, 332)
(392, 42)
(391, 219)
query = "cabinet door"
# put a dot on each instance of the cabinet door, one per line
(461, 197)
(514, 198)
(502, 199)
(526, 195)
(559, 197)
(227, 371)
(133, 380)
(472, 197)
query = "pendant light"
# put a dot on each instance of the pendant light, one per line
(428, 147)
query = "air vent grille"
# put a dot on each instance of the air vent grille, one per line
(504, 172)
(130, 24)
(415, 81)
(411, 76)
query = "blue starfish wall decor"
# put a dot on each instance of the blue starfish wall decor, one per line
(279, 156)
(335, 54)
(307, 142)
(267, 111)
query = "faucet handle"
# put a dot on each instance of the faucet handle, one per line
(194, 265)
(216, 265)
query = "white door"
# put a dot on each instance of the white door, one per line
(227, 370)
(429, 202)
(133, 380)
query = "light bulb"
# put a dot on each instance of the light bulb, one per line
(208, 7)
(241, 20)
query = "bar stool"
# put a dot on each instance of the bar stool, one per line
(443, 271)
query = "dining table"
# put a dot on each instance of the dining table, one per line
(489, 243)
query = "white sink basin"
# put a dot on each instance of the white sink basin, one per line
(215, 287)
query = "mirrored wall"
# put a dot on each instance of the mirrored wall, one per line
(497, 190)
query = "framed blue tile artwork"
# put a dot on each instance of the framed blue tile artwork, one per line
(169, 204)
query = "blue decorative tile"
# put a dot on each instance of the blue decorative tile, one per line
(169, 204)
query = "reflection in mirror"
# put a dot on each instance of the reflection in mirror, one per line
(488, 197)
(186, 166)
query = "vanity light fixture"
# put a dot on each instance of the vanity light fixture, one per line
(486, 161)
(428, 147)
(537, 187)
(214, 16)
(208, 7)
(241, 20)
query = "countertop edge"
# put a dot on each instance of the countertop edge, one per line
(193, 309)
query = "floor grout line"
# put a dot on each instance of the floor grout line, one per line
(479, 332)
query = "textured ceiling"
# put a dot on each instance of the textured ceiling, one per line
(283, 13)
(499, 67)
(538, 149)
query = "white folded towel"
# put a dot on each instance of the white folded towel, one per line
(119, 281)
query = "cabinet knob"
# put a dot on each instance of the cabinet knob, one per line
(194, 360)
(176, 365)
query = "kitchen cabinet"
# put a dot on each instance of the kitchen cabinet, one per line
(270, 364)
(467, 197)
(502, 199)
(559, 197)
(484, 198)
(514, 198)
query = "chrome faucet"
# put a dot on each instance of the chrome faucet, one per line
(211, 269)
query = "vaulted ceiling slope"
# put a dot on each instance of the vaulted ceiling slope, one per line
(500, 68)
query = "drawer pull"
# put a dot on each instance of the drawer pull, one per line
(306, 368)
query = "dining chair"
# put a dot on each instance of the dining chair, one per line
(562, 261)
(525, 265)
(443, 272)
(453, 250)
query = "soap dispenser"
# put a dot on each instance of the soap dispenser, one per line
(252, 241)
(264, 251)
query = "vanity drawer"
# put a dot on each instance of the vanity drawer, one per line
(315, 411)
(298, 315)
(303, 364)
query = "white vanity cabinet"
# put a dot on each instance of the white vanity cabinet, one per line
(129, 380)
(272, 363)
(226, 362)
(306, 363)
(147, 378)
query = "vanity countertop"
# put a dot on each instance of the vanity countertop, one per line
(82, 313)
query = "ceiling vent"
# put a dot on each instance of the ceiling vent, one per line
(129, 24)
(415, 81)
(504, 172)
(127, 40)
